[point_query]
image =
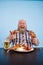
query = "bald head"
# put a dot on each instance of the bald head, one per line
(22, 25)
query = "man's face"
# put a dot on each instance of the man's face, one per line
(22, 26)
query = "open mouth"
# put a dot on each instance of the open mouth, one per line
(22, 27)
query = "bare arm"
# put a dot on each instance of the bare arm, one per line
(35, 41)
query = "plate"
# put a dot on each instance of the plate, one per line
(32, 49)
(21, 48)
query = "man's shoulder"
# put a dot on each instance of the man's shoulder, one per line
(31, 31)
(27, 30)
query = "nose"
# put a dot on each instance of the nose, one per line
(22, 24)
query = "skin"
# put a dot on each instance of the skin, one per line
(22, 26)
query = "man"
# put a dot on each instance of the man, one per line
(23, 36)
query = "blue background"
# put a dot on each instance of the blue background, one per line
(13, 11)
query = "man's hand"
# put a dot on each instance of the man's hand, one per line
(35, 41)
(12, 35)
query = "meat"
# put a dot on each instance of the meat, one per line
(20, 46)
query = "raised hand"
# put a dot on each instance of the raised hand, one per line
(12, 35)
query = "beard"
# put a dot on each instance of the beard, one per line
(22, 29)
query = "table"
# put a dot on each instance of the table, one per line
(15, 58)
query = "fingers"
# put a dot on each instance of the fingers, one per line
(35, 41)
(13, 32)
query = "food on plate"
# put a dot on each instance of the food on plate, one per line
(21, 47)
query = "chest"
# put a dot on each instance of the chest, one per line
(22, 37)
